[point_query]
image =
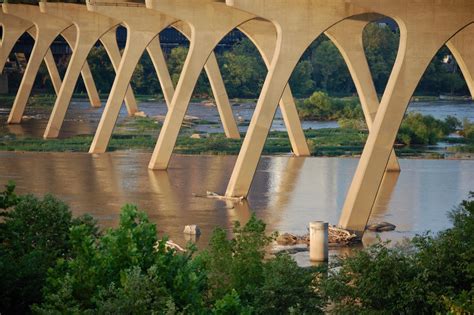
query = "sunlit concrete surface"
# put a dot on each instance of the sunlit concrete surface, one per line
(282, 31)
(424, 27)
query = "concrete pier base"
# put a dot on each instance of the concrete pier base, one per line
(318, 241)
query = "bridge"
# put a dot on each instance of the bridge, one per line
(281, 30)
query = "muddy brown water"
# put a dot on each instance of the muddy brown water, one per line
(287, 192)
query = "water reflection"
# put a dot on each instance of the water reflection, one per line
(287, 192)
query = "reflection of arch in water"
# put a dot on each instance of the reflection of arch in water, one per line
(420, 39)
(282, 183)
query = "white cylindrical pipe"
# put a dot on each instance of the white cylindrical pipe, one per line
(318, 241)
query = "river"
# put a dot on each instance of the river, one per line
(82, 119)
(287, 192)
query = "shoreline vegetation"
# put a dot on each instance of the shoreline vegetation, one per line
(54, 263)
(419, 135)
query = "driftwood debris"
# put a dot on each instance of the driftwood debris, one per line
(213, 195)
(170, 245)
(381, 227)
(336, 237)
(341, 237)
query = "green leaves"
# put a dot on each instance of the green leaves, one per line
(431, 274)
(320, 106)
(8, 198)
(34, 234)
(240, 278)
(417, 129)
(66, 265)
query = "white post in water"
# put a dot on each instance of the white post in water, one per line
(318, 241)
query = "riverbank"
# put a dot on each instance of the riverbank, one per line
(141, 134)
(201, 133)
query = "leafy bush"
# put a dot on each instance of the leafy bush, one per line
(35, 233)
(417, 129)
(237, 271)
(377, 280)
(432, 274)
(320, 106)
(116, 271)
(8, 198)
(355, 124)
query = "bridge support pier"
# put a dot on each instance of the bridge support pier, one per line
(461, 46)
(218, 88)
(91, 27)
(212, 23)
(70, 35)
(140, 35)
(347, 35)
(14, 27)
(263, 35)
(31, 14)
(48, 28)
(420, 40)
(293, 38)
(109, 40)
(50, 64)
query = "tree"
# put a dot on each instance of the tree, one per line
(330, 70)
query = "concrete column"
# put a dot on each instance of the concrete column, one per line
(318, 241)
(70, 35)
(50, 64)
(158, 59)
(222, 99)
(209, 26)
(263, 35)
(297, 26)
(218, 88)
(420, 39)
(90, 27)
(143, 26)
(48, 28)
(109, 40)
(461, 46)
(13, 28)
(348, 38)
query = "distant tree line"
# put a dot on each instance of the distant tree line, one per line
(321, 68)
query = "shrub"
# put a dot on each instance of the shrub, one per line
(320, 106)
(116, 271)
(8, 198)
(432, 274)
(376, 280)
(35, 233)
(417, 129)
(238, 272)
(354, 124)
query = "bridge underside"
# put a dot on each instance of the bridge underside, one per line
(281, 30)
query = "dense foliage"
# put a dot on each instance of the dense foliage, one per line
(422, 130)
(429, 275)
(321, 107)
(33, 235)
(53, 264)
